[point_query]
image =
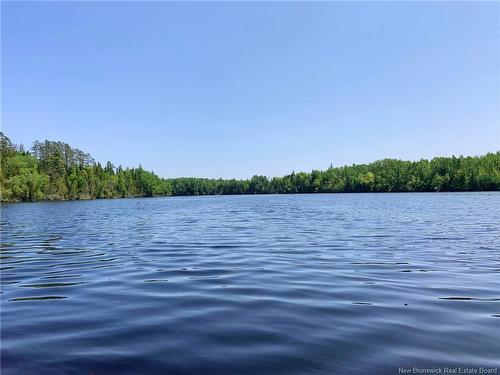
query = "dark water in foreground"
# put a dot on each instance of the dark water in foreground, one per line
(361, 283)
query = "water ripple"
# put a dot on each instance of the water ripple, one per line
(251, 284)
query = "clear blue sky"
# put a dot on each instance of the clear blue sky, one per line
(236, 89)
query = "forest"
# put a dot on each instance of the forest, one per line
(53, 170)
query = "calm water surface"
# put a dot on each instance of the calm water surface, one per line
(340, 283)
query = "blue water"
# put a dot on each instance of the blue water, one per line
(293, 284)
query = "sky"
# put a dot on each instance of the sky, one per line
(236, 89)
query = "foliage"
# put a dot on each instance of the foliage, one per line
(56, 171)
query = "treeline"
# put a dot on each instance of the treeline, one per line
(55, 171)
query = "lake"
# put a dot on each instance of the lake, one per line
(292, 284)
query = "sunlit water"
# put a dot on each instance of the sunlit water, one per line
(337, 283)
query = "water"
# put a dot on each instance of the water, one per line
(337, 283)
